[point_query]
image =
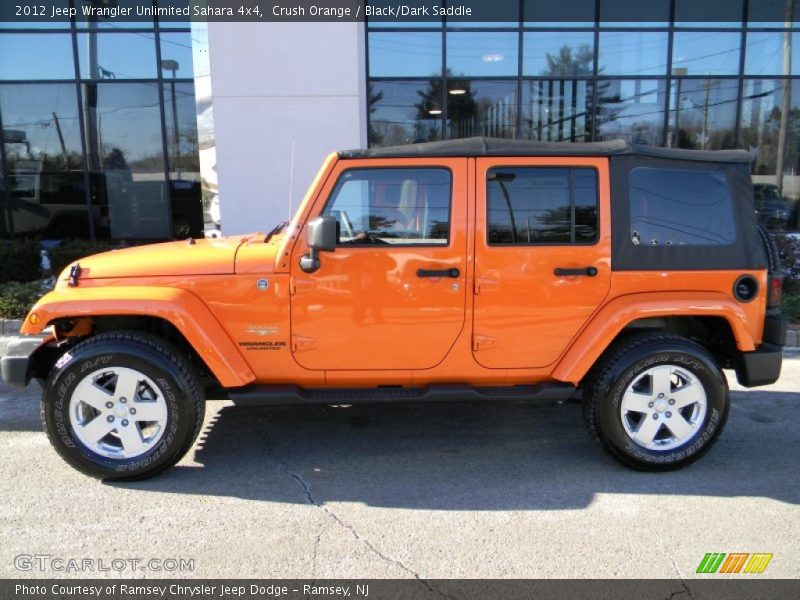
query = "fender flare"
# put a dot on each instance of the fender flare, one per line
(613, 317)
(183, 309)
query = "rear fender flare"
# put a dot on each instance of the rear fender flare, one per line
(612, 318)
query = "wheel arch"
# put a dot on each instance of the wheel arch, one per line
(713, 320)
(176, 314)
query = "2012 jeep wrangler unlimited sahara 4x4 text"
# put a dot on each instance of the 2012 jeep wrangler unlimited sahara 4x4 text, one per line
(469, 269)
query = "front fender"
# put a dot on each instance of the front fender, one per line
(610, 320)
(180, 307)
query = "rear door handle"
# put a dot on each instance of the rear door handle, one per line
(587, 271)
(454, 273)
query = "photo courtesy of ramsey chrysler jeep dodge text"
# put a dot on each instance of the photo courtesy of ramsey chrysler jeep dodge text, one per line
(475, 269)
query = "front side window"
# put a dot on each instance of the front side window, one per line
(392, 206)
(680, 207)
(541, 205)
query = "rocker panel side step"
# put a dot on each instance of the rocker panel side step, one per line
(280, 395)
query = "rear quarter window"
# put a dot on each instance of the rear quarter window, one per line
(680, 207)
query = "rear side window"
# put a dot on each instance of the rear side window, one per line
(680, 207)
(392, 206)
(541, 205)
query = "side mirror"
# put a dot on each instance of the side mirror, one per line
(322, 235)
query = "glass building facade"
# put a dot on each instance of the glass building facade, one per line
(704, 75)
(99, 131)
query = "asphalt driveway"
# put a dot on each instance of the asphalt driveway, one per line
(512, 490)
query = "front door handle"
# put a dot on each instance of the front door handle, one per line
(587, 271)
(454, 273)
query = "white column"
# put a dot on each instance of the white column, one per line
(274, 86)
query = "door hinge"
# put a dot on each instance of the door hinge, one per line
(484, 283)
(295, 284)
(300, 343)
(483, 342)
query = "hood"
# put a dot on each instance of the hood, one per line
(203, 257)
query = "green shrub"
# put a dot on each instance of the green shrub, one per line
(69, 251)
(16, 299)
(790, 307)
(20, 260)
(789, 249)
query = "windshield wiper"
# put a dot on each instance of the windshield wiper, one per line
(277, 229)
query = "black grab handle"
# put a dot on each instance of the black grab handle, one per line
(454, 273)
(588, 271)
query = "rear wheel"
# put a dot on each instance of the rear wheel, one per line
(656, 401)
(122, 405)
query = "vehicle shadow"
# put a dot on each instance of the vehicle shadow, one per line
(510, 456)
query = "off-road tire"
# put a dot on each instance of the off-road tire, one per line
(622, 363)
(150, 355)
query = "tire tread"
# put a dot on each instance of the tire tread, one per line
(190, 385)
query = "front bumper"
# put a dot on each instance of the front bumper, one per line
(15, 365)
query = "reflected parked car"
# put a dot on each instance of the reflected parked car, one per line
(773, 211)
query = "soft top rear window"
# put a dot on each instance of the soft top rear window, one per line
(677, 207)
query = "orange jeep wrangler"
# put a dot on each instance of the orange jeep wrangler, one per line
(448, 271)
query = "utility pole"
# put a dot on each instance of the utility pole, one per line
(786, 100)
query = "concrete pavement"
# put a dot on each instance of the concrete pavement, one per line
(485, 491)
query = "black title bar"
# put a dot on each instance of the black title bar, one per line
(765, 13)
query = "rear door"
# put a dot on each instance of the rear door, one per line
(542, 256)
(392, 295)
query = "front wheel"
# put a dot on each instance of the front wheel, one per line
(122, 405)
(656, 402)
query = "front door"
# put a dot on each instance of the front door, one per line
(542, 256)
(392, 295)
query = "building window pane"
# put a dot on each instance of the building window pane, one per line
(42, 143)
(706, 53)
(772, 13)
(479, 54)
(480, 107)
(708, 13)
(183, 160)
(577, 13)
(498, 13)
(634, 13)
(632, 110)
(43, 56)
(117, 56)
(680, 207)
(633, 53)
(393, 206)
(764, 53)
(405, 54)
(123, 122)
(764, 103)
(564, 54)
(176, 55)
(405, 112)
(540, 205)
(556, 110)
(703, 113)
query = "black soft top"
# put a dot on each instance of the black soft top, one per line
(484, 146)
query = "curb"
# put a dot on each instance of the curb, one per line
(9, 327)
